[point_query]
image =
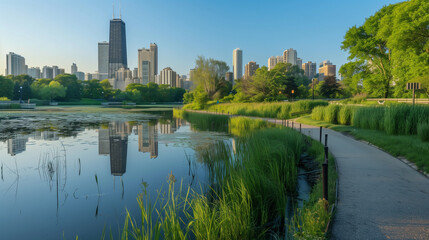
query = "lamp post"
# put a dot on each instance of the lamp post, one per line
(20, 91)
(312, 81)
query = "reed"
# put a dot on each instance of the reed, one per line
(281, 110)
(204, 122)
(331, 113)
(250, 180)
(318, 113)
(345, 115)
(423, 131)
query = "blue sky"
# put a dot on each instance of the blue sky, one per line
(60, 32)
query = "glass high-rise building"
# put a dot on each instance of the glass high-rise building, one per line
(117, 47)
(103, 59)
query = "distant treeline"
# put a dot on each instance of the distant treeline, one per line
(67, 87)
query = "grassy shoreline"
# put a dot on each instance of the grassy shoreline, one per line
(408, 146)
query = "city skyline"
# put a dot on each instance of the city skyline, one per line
(199, 29)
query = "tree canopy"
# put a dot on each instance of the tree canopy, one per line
(389, 49)
(209, 76)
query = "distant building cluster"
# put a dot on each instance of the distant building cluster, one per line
(112, 64)
(326, 68)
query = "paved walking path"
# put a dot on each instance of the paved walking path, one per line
(380, 197)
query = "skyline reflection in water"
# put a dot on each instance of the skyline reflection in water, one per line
(47, 176)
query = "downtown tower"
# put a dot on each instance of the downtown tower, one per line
(117, 47)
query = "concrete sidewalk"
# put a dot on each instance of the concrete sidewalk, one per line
(380, 197)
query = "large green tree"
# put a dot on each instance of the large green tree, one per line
(92, 89)
(74, 86)
(330, 88)
(389, 49)
(6, 87)
(277, 84)
(367, 44)
(209, 75)
(53, 91)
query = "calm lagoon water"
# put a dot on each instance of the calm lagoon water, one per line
(49, 163)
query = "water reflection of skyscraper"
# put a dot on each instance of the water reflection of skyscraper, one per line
(113, 140)
(148, 138)
(17, 144)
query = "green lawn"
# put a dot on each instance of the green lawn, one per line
(408, 146)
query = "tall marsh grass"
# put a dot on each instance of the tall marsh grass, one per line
(204, 122)
(281, 110)
(249, 182)
(423, 131)
(396, 119)
(246, 199)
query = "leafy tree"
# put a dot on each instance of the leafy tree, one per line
(408, 37)
(389, 49)
(22, 84)
(356, 76)
(188, 97)
(38, 85)
(92, 89)
(53, 90)
(367, 44)
(209, 74)
(74, 87)
(6, 87)
(276, 84)
(330, 87)
(200, 98)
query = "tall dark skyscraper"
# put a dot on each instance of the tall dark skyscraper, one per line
(117, 46)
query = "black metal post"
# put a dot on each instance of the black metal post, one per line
(300, 127)
(320, 138)
(325, 174)
(414, 96)
(326, 154)
(325, 179)
(326, 140)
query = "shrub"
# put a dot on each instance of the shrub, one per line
(317, 113)
(423, 131)
(331, 112)
(345, 115)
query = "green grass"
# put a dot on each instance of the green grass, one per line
(204, 122)
(10, 106)
(280, 110)
(423, 131)
(243, 126)
(409, 146)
